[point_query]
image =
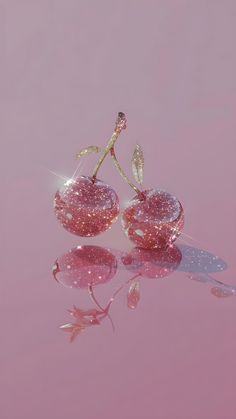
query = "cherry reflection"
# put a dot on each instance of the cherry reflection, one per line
(155, 263)
(86, 267)
(145, 263)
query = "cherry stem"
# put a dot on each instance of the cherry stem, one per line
(105, 311)
(120, 289)
(110, 144)
(93, 298)
(107, 308)
(120, 125)
(121, 171)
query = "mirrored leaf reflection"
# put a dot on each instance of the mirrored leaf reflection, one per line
(133, 295)
(219, 289)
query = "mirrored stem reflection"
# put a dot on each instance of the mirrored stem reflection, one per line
(94, 317)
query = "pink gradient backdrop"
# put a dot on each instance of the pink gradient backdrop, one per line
(67, 67)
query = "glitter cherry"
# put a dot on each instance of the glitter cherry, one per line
(153, 219)
(86, 206)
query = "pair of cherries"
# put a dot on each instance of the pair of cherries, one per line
(87, 206)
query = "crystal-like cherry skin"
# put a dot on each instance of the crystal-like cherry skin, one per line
(84, 266)
(153, 219)
(153, 263)
(86, 207)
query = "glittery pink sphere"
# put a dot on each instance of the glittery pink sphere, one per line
(153, 219)
(86, 207)
(85, 265)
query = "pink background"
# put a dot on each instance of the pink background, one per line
(66, 69)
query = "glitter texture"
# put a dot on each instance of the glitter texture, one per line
(138, 164)
(85, 265)
(86, 207)
(155, 263)
(121, 122)
(153, 219)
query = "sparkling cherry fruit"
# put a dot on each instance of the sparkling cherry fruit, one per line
(153, 219)
(86, 207)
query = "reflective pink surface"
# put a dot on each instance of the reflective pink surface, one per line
(67, 68)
